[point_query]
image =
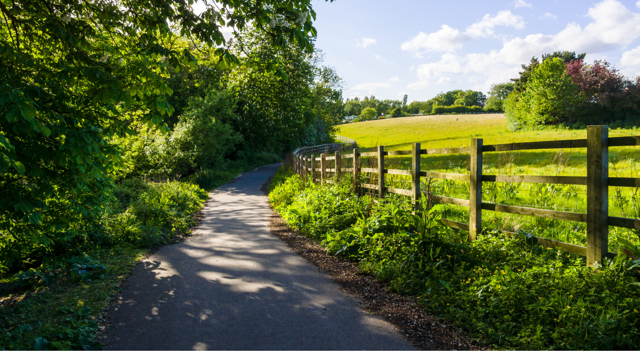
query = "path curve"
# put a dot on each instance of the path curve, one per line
(235, 286)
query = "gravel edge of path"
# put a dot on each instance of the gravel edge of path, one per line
(424, 331)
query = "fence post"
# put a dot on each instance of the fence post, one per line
(415, 175)
(313, 168)
(475, 189)
(338, 164)
(356, 171)
(323, 169)
(380, 171)
(597, 193)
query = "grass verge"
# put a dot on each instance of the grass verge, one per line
(503, 291)
(60, 304)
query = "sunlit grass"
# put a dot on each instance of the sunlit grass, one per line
(443, 131)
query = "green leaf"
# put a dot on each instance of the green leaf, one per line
(41, 344)
(19, 167)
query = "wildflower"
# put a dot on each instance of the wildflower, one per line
(568, 307)
(582, 309)
(570, 296)
(447, 304)
(539, 298)
(635, 311)
(502, 271)
(555, 319)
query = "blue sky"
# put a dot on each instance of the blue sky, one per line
(421, 48)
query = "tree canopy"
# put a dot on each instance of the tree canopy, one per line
(77, 78)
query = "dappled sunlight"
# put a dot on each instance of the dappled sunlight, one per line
(239, 285)
(233, 285)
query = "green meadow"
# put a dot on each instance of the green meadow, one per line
(440, 131)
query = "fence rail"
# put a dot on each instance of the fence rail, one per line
(597, 182)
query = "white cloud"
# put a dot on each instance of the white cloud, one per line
(612, 26)
(445, 80)
(448, 39)
(422, 84)
(448, 64)
(638, 4)
(630, 62)
(521, 3)
(549, 15)
(394, 79)
(365, 42)
(445, 39)
(371, 87)
(484, 27)
(411, 68)
(381, 59)
(631, 58)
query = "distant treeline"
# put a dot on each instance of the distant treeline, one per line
(450, 102)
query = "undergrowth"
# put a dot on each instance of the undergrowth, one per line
(57, 304)
(503, 290)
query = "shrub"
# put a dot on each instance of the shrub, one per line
(397, 112)
(368, 114)
(503, 290)
(456, 109)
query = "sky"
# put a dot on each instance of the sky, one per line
(422, 48)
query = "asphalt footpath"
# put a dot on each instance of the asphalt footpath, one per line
(233, 285)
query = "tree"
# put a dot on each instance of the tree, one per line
(397, 112)
(448, 98)
(550, 97)
(404, 101)
(470, 98)
(75, 74)
(497, 94)
(521, 82)
(606, 95)
(368, 114)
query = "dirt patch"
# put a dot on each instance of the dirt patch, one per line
(424, 331)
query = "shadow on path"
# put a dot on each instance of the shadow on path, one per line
(235, 286)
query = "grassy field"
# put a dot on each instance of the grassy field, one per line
(442, 131)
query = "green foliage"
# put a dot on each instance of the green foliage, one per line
(549, 98)
(497, 95)
(355, 106)
(502, 290)
(368, 114)
(455, 109)
(521, 82)
(397, 112)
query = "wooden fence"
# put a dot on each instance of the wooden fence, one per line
(597, 182)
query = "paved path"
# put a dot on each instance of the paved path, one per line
(235, 286)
